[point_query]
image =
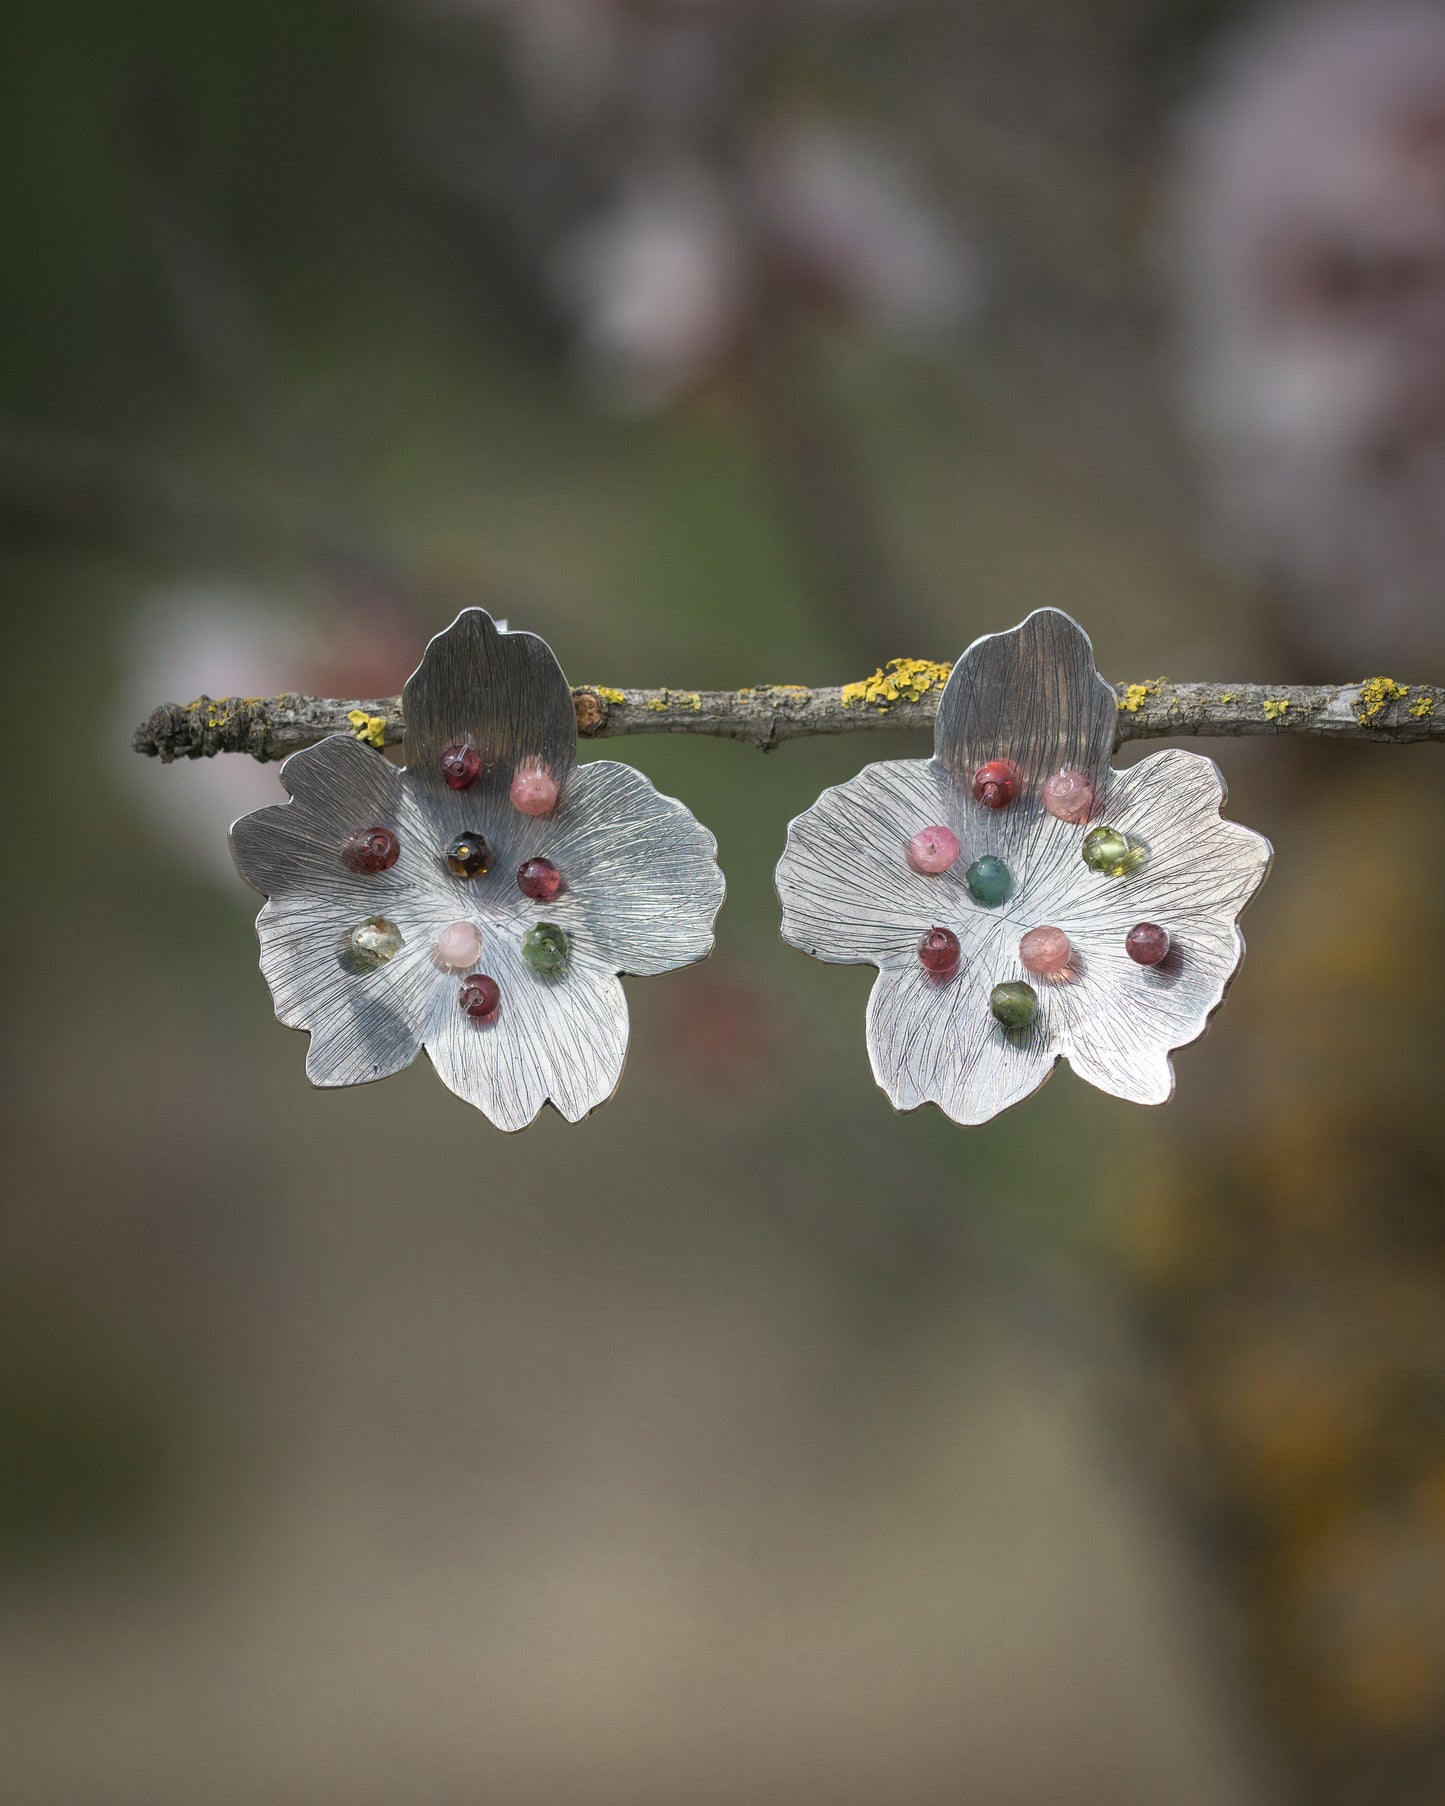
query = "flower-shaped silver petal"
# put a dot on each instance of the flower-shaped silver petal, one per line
(642, 888)
(1032, 696)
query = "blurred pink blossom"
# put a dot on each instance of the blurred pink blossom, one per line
(1308, 241)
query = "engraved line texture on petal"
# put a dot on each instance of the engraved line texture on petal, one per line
(363, 1025)
(1031, 696)
(938, 1043)
(641, 871)
(337, 787)
(561, 1040)
(847, 891)
(503, 691)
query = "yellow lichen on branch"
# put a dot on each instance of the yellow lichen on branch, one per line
(1376, 694)
(900, 680)
(1136, 695)
(370, 728)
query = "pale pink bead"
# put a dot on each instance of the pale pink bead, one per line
(534, 790)
(1069, 795)
(1045, 952)
(932, 850)
(458, 947)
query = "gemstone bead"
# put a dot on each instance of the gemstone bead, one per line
(1069, 795)
(545, 949)
(458, 946)
(989, 880)
(996, 784)
(371, 944)
(1107, 850)
(370, 850)
(468, 856)
(1146, 943)
(932, 850)
(480, 996)
(540, 880)
(461, 765)
(534, 790)
(1014, 1004)
(939, 951)
(1045, 952)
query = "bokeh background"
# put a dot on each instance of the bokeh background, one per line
(747, 1442)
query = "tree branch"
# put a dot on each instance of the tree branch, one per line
(904, 696)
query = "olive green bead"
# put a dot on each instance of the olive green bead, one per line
(989, 880)
(1107, 850)
(545, 949)
(1015, 1004)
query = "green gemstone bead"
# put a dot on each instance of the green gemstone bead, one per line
(545, 949)
(989, 880)
(1107, 850)
(1014, 1004)
(371, 944)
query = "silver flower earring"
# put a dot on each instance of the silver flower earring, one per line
(481, 903)
(1022, 901)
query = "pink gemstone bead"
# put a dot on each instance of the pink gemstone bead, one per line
(534, 790)
(932, 850)
(458, 946)
(939, 951)
(1146, 943)
(1045, 952)
(1069, 795)
(996, 784)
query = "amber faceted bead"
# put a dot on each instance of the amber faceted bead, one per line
(370, 850)
(468, 856)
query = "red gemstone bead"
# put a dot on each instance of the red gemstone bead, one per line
(1146, 943)
(480, 996)
(540, 880)
(938, 951)
(996, 784)
(461, 765)
(371, 850)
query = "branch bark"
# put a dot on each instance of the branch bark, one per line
(767, 714)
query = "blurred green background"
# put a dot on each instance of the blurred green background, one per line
(749, 1441)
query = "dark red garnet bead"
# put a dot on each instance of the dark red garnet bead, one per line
(1146, 943)
(370, 850)
(480, 996)
(461, 765)
(996, 784)
(540, 880)
(938, 951)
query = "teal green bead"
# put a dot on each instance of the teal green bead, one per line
(1107, 850)
(989, 880)
(1014, 1004)
(545, 949)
